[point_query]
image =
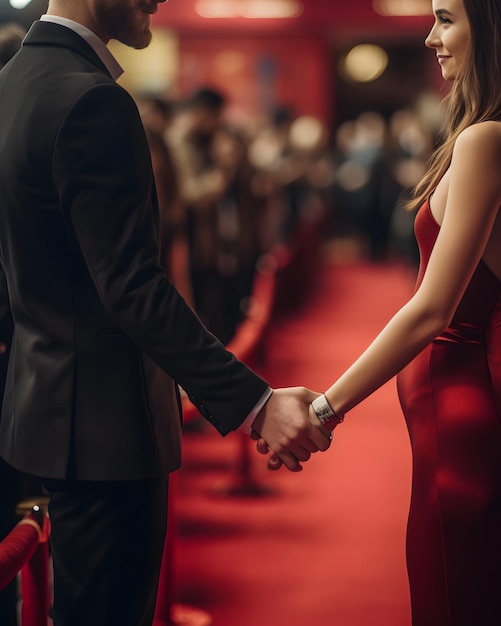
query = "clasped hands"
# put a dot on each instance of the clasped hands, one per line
(288, 430)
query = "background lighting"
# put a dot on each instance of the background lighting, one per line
(250, 9)
(402, 7)
(19, 4)
(364, 63)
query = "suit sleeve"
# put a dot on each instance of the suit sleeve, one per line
(103, 171)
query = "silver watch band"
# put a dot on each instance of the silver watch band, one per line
(324, 412)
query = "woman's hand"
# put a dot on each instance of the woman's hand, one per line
(274, 462)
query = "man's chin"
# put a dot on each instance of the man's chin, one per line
(138, 43)
(141, 46)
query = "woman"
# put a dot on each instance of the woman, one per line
(445, 343)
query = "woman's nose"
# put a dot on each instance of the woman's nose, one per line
(432, 40)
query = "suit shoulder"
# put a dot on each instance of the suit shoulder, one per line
(104, 99)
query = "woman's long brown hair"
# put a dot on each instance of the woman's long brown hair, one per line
(476, 93)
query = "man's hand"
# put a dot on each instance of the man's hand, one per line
(3, 348)
(284, 428)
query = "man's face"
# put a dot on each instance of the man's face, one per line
(127, 21)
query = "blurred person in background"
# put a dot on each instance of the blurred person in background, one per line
(269, 149)
(362, 210)
(202, 185)
(157, 114)
(11, 37)
(238, 218)
(411, 141)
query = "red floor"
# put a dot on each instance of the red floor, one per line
(324, 547)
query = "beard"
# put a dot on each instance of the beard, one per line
(124, 21)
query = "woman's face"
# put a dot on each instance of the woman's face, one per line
(450, 36)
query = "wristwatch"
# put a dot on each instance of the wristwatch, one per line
(324, 412)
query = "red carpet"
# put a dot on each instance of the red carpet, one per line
(325, 547)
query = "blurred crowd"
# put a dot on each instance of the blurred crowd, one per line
(377, 162)
(231, 194)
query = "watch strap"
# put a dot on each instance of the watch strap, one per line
(323, 410)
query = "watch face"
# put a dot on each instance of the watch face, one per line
(321, 406)
(324, 411)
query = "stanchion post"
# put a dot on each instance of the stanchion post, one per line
(35, 588)
(35, 578)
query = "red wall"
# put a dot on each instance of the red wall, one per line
(259, 73)
(275, 61)
(319, 15)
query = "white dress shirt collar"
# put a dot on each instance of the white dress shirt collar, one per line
(92, 39)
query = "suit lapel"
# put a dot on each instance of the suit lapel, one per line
(50, 34)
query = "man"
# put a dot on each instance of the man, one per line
(96, 333)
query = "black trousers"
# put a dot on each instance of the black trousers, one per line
(107, 541)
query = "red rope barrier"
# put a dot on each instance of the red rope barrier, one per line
(26, 550)
(35, 588)
(15, 550)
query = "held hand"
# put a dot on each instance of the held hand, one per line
(287, 430)
(274, 461)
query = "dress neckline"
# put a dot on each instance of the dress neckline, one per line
(428, 207)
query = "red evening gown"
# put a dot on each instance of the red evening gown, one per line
(451, 398)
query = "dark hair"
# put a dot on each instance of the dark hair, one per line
(207, 98)
(476, 93)
(281, 116)
(158, 103)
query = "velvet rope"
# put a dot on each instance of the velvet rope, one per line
(35, 588)
(26, 550)
(16, 550)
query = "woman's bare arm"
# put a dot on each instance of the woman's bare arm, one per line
(473, 199)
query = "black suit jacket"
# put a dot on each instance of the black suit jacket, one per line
(99, 332)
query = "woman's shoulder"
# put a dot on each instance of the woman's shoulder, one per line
(488, 131)
(480, 141)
